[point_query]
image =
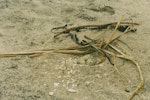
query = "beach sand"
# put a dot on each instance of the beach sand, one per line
(25, 25)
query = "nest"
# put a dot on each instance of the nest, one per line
(106, 46)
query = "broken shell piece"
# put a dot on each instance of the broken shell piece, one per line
(51, 93)
(56, 84)
(72, 90)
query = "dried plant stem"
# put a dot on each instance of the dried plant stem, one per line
(140, 85)
(112, 34)
(127, 57)
(123, 78)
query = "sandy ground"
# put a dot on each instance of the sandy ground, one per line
(26, 24)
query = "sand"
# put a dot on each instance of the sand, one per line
(25, 25)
